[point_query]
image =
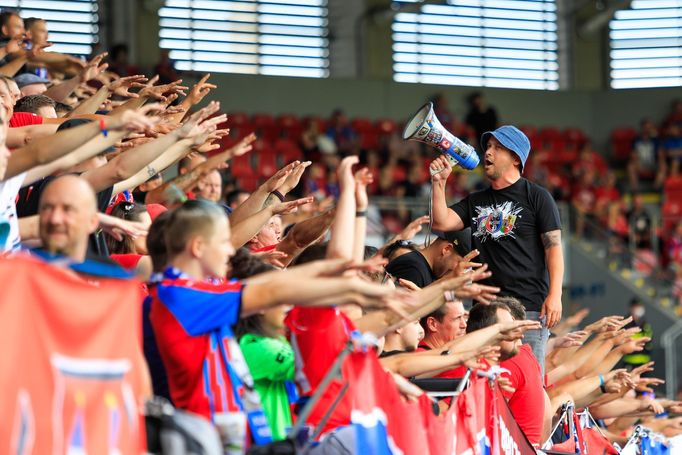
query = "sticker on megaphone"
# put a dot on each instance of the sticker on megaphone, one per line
(425, 127)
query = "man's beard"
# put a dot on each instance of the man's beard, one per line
(506, 355)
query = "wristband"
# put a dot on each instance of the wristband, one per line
(103, 127)
(602, 383)
(360, 213)
(278, 195)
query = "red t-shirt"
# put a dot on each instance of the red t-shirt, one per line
(318, 336)
(127, 261)
(527, 403)
(24, 119)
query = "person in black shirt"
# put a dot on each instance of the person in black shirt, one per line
(515, 225)
(423, 267)
(481, 116)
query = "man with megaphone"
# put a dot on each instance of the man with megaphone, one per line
(514, 224)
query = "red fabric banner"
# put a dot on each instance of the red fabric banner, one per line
(479, 421)
(72, 372)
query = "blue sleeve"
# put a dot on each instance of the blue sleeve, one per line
(202, 311)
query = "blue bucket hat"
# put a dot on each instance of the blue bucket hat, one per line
(512, 138)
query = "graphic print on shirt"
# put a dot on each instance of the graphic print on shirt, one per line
(496, 221)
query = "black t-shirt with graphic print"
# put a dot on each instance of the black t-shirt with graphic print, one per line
(506, 226)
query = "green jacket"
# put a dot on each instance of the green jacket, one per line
(271, 361)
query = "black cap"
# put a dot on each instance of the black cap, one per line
(461, 240)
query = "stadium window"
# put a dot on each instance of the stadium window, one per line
(482, 43)
(72, 24)
(646, 45)
(271, 37)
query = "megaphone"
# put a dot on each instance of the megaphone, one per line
(425, 127)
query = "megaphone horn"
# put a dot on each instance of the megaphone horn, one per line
(425, 127)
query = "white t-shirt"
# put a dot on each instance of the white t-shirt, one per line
(9, 189)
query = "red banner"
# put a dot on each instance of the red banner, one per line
(479, 421)
(72, 372)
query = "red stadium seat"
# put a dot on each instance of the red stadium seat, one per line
(237, 119)
(369, 140)
(239, 125)
(385, 126)
(532, 133)
(266, 158)
(621, 143)
(362, 125)
(241, 166)
(265, 126)
(290, 126)
(574, 137)
(551, 139)
(321, 123)
(248, 183)
(287, 151)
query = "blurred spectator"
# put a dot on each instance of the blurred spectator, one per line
(442, 326)
(617, 224)
(588, 161)
(166, 68)
(340, 131)
(315, 183)
(605, 194)
(210, 186)
(675, 115)
(639, 221)
(140, 193)
(647, 160)
(440, 108)
(128, 250)
(235, 198)
(672, 146)
(118, 61)
(481, 116)
(674, 247)
(583, 200)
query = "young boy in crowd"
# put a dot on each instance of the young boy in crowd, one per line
(193, 311)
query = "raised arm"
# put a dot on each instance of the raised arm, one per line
(444, 219)
(341, 243)
(362, 178)
(45, 150)
(95, 67)
(304, 234)
(315, 291)
(120, 86)
(246, 229)
(86, 151)
(193, 132)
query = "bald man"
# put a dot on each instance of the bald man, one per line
(67, 216)
(210, 186)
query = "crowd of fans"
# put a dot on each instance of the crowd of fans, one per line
(233, 277)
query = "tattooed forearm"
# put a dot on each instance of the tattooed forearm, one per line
(271, 199)
(551, 238)
(151, 172)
